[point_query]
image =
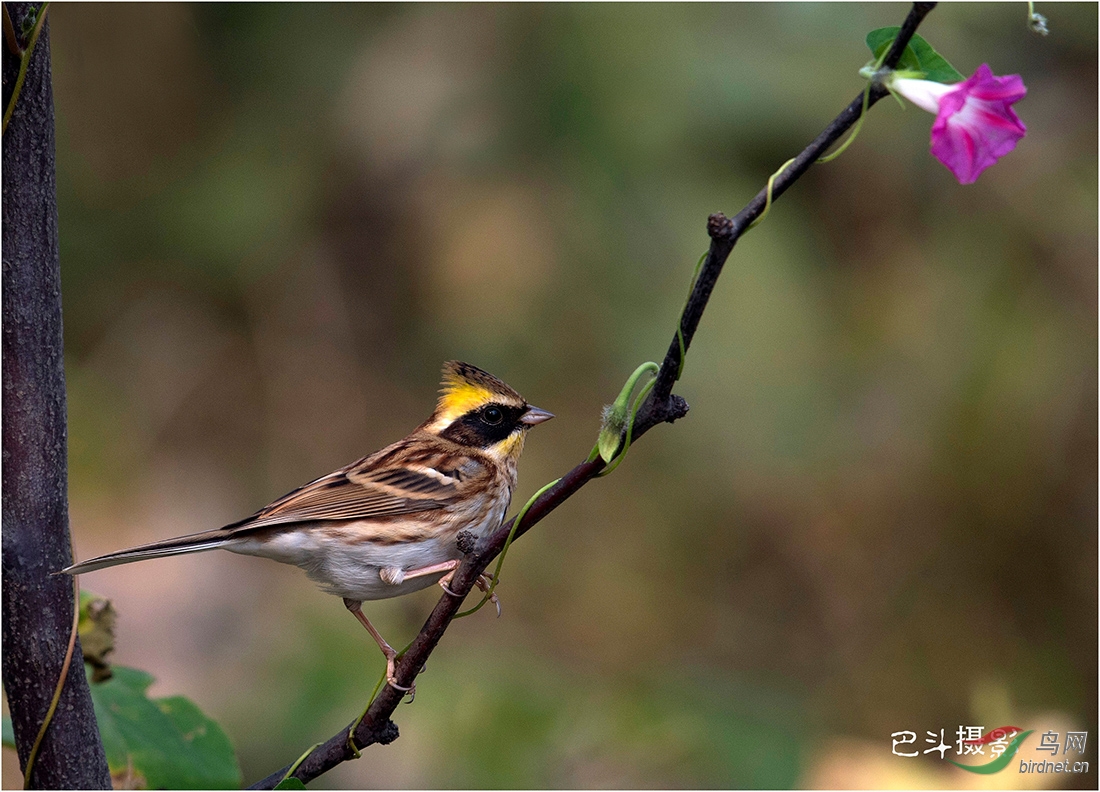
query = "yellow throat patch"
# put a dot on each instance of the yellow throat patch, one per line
(511, 446)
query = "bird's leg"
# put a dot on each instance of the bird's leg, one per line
(356, 609)
(449, 567)
(446, 566)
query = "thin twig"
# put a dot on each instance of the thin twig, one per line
(661, 406)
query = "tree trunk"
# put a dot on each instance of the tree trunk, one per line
(37, 606)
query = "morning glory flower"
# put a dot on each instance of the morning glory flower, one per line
(975, 124)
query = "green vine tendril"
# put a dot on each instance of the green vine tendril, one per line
(680, 330)
(355, 724)
(301, 759)
(858, 125)
(771, 185)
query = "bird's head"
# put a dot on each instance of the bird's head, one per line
(477, 409)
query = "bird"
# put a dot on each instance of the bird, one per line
(388, 524)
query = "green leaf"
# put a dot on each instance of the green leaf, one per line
(168, 743)
(919, 55)
(290, 783)
(8, 736)
(880, 40)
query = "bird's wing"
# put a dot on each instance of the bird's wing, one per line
(365, 489)
(339, 497)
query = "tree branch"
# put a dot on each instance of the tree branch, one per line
(661, 406)
(37, 606)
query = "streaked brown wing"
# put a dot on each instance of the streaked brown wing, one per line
(409, 482)
(338, 497)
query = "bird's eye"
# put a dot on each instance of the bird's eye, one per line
(492, 415)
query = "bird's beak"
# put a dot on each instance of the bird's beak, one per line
(535, 416)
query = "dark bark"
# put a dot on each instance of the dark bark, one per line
(37, 606)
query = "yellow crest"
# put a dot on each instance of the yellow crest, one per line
(466, 388)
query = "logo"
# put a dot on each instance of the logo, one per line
(1003, 743)
(1001, 762)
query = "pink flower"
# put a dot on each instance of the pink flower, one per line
(975, 124)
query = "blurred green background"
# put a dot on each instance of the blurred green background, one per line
(881, 513)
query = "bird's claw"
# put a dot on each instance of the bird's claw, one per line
(484, 582)
(391, 679)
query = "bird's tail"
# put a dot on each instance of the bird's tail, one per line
(192, 543)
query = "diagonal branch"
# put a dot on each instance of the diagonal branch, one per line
(661, 406)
